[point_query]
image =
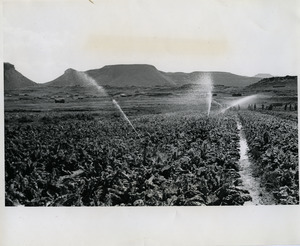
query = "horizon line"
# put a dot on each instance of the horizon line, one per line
(145, 64)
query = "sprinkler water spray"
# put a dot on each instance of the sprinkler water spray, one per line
(206, 81)
(217, 103)
(125, 117)
(90, 81)
(239, 102)
(209, 102)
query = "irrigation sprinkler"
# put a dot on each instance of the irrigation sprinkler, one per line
(125, 117)
(239, 102)
(90, 81)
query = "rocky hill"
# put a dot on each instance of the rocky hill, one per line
(134, 75)
(14, 80)
(130, 75)
(141, 75)
(275, 84)
(217, 78)
(71, 77)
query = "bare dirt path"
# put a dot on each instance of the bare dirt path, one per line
(258, 194)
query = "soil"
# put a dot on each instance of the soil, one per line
(258, 194)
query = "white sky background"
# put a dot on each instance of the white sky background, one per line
(44, 38)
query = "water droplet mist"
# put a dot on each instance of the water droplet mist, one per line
(206, 81)
(90, 81)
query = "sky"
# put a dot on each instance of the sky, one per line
(43, 38)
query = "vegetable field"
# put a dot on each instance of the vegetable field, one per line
(273, 144)
(182, 159)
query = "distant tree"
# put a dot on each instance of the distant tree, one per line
(254, 106)
(285, 107)
(262, 106)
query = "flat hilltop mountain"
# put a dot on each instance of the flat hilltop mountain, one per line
(217, 78)
(138, 75)
(275, 83)
(229, 79)
(130, 75)
(148, 76)
(14, 80)
(263, 75)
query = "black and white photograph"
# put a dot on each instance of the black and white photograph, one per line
(141, 103)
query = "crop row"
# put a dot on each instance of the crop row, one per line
(286, 115)
(273, 145)
(87, 161)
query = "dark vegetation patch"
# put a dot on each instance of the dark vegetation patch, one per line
(183, 160)
(273, 145)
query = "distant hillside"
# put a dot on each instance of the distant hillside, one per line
(229, 79)
(275, 83)
(263, 75)
(148, 76)
(130, 75)
(218, 78)
(13, 80)
(71, 77)
(180, 78)
(138, 75)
